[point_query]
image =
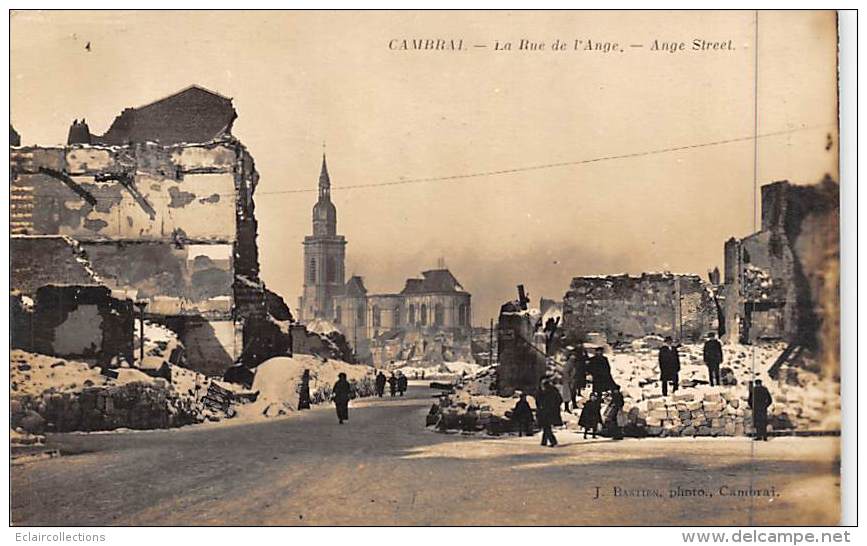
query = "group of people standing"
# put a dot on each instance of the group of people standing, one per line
(566, 389)
(397, 384)
(669, 362)
(573, 380)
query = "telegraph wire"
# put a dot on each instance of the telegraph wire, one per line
(530, 168)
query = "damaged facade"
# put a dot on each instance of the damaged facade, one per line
(624, 307)
(782, 282)
(428, 321)
(161, 210)
(59, 306)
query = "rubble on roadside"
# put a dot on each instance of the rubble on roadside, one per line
(803, 401)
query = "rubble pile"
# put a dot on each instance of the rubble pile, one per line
(53, 394)
(803, 400)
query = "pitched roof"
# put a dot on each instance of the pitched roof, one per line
(435, 280)
(194, 114)
(355, 286)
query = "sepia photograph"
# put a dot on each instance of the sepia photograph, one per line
(425, 268)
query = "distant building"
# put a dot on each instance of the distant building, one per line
(429, 320)
(324, 256)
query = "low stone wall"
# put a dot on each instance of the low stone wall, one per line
(134, 405)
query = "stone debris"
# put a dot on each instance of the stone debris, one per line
(51, 394)
(803, 401)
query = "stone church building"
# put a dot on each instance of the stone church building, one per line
(430, 320)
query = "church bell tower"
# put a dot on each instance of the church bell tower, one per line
(324, 256)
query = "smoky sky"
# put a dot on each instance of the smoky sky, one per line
(301, 79)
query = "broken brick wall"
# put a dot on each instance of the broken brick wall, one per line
(625, 307)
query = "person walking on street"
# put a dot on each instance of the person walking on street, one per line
(669, 366)
(341, 393)
(401, 383)
(548, 412)
(590, 414)
(392, 384)
(304, 391)
(759, 400)
(522, 414)
(380, 384)
(713, 357)
(600, 371)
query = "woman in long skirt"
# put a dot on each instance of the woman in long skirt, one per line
(341, 393)
(590, 415)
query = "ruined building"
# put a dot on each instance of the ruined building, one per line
(624, 307)
(429, 320)
(782, 282)
(160, 209)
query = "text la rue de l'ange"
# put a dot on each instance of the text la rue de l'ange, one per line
(694, 45)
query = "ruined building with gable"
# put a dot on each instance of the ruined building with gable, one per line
(428, 321)
(158, 210)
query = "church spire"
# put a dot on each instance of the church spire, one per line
(324, 181)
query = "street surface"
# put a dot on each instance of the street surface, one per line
(384, 468)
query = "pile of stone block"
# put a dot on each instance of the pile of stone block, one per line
(694, 412)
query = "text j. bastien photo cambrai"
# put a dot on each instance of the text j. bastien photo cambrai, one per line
(424, 268)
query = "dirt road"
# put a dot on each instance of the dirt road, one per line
(384, 467)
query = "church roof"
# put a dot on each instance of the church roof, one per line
(435, 280)
(194, 114)
(355, 287)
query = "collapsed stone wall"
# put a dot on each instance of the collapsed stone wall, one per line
(625, 308)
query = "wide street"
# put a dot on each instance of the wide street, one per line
(385, 468)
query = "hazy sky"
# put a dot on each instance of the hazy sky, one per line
(301, 78)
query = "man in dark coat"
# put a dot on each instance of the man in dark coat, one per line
(600, 371)
(590, 414)
(522, 415)
(341, 393)
(380, 384)
(759, 400)
(669, 366)
(550, 330)
(304, 391)
(548, 412)
(579, 381)
(713, 357)
(402, 383)
(392, 384)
